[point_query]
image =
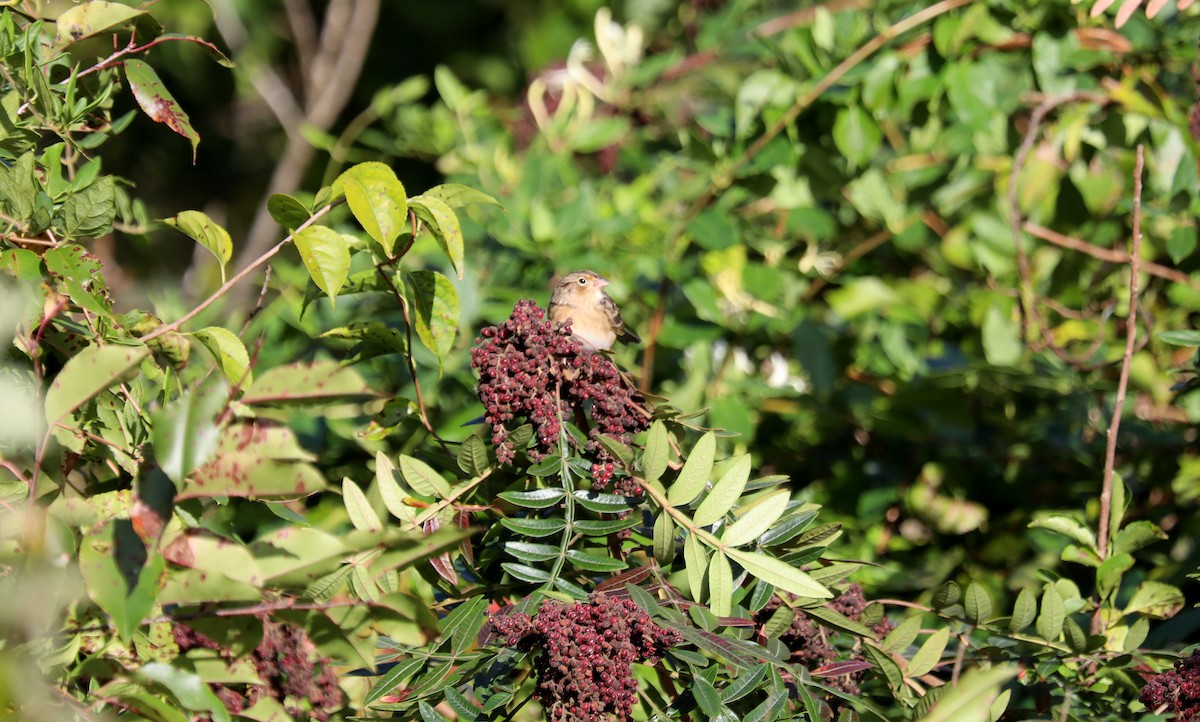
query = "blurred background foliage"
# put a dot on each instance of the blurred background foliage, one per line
(843, 297)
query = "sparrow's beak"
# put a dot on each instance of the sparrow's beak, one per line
(601, 282)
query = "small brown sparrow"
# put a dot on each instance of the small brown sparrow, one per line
(595, 319)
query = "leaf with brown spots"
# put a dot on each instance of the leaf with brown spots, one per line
(255, 459)
(320, 382)
(157, 102)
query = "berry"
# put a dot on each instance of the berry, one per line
(1178, 689)
(532, 370)
(584, 667)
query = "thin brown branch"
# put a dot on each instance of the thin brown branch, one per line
(240, 275)
(133, 47)
(408, 357)
(1111, 255)
(1110, 453)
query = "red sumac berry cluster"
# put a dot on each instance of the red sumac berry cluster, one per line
(1176, 690)
(532, 370)
(814, 646)
(584, 667)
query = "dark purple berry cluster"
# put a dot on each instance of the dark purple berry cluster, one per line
(532, 370)
(288, 664)
(814, 647)
(584, 667)
(1176, 690)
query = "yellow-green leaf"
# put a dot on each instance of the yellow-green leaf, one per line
(930, 653)
(695, 562)
(694, 474)
(779, 573)
(423, 478)
(720, 585)
(725, 492)
(205, 231)
(443, 223)
(654, 459)
(326, 255)
(362, 516)
(377, 200)
(757, 519)
(228, 351)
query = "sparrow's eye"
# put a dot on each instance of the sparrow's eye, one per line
(582, 281)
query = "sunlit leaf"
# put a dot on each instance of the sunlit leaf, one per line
(93, 370)
(157, 102)
(695, 472)
(443, 223)
(326, 255)
(377, 200)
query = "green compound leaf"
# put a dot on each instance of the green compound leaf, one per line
(423, 478)
(326, 255)
(655, 457)
(779, 574)
(377, 200)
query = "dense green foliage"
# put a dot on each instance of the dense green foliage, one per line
(879, 258)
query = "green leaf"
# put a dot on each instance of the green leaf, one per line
(533, 499)
(856, 135)
(838, 621)
(90, 18)
(394, 677)
(590, 562)
(228, 351)
(457, 195)
(157, 102)
(319, 382)
(1068, 526)
(970, 700)
(1110, 572)
(362, 516)
(1001, 339)
(392, 491)
(725, 493)
(605, 503)
(779, 573)
(604, 527)
(530, 552)
(695, 563)
(889, 668)
(205, 231)
(526, 573)
(187, 687)
(695, 472)
(1155, 600)
(903, 635)
(377, 200)
(435, 308)
(93, 370)
(423, 478)
(326, 255)
(655, 457)
(1050, 620)
(929, 654)
(752, 524)
(473, 456)
(998, 706)
(1135, 535)
(89, 213)
(1024, 611)
(287, 211)
(119, 575)
(706, 696)
(977, 603)
(80, 275)
(534, 527)
(443, 223)
(720, 585)
(664, 539)
(185, 431)
(255, 459)
(1180, 337)
(617, 450)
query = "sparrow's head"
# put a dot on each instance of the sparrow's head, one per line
(583, 279)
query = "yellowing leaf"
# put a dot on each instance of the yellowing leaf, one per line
(326, 255)
(205, 231)
(377, 200)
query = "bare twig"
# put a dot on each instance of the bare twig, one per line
(408, 357)
(240, 275)
(1112, 255)
(1114, 426)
